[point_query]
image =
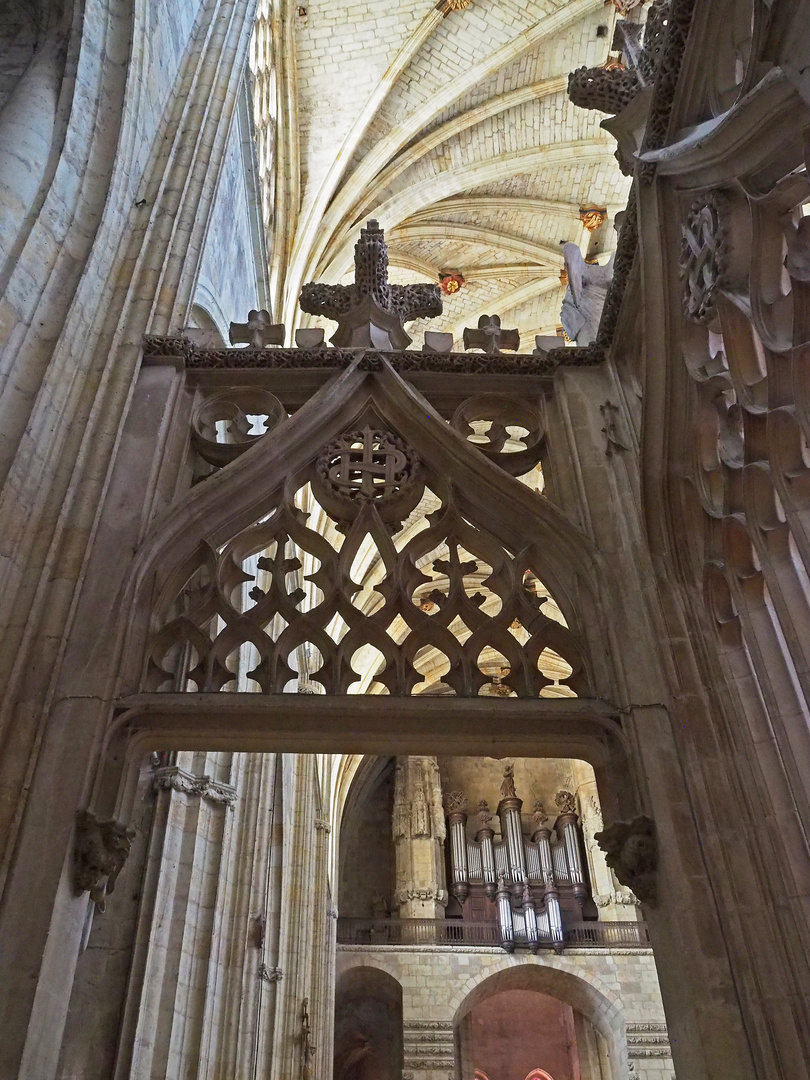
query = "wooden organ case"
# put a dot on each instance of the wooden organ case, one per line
(531, 887)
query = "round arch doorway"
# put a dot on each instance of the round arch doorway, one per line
(512, 1028)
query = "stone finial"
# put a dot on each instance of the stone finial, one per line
(100, 851)
(370, 313)
(258, 331)
(437, 342)
(566, 803)
(490, 337)
(631, 852)
(456, 802)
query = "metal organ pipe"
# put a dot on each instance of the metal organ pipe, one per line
(457, 822)
(542, 837)
(530, 918)
(567, 826)
(509, 813)
(505, 925)
(485, 837)
(552, 898)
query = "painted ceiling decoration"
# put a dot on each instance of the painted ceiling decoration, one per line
(449, 124)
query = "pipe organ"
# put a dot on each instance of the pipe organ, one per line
(532, 886)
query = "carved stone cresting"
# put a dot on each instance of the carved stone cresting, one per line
(258, 331)
(703, 258)
(100, 851)
(631, 852)
(543, 364)
(173, 778)
(489, 337)
(371, 312)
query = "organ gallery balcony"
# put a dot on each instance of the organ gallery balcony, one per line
(463, 933)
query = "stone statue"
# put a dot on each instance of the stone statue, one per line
(508, 785)
(631, 852)
(588, 285)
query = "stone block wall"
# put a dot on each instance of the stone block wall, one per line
(616, 991)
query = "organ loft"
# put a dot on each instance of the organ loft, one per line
(403, 521)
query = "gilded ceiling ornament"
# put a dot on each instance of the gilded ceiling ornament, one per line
(451, 283)
(625, 6)
(592, 217)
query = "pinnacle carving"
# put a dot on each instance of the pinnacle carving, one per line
(370, 313)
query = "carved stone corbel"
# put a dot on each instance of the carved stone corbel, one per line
(631, 852)
(99, 853)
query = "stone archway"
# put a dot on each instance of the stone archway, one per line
(368, 1025)
(584, 1003)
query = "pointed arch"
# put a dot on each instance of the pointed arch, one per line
(249, 507)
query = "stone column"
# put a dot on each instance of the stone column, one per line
(419, 832)
(295, 1001)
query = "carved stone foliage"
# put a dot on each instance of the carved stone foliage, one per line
(100, 852)
(225, 424)
(750, 407)
(703, 258)
(173, 778)
(506, 429)
(631, 852)
(405, 362)
(332, 586)
(566, 802)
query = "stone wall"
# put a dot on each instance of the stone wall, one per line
(616, 991)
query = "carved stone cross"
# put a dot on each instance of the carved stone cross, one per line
(490, 337)
(371, 312)
(258, 331)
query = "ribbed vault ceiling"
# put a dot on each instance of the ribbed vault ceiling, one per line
(452, 128)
